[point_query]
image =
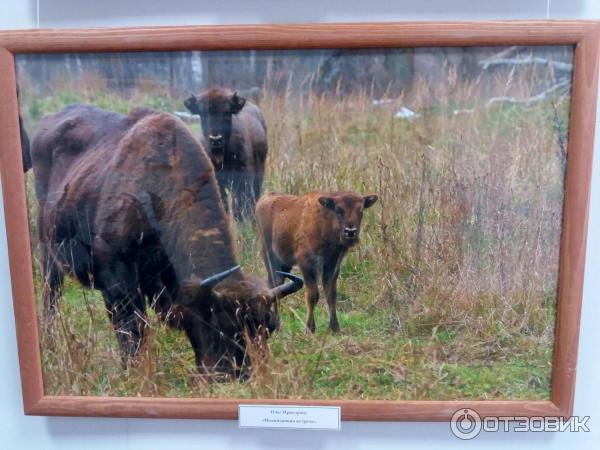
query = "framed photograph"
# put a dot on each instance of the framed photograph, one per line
(390, 218)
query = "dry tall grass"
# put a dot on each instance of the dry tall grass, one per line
(451, 293)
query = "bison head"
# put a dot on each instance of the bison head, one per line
(216, 108)
(348, 209)
(234, 309)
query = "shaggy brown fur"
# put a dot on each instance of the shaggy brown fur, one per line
(129, 205)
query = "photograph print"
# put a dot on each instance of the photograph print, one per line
(361, 224)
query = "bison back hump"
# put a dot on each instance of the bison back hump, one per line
(63, 138)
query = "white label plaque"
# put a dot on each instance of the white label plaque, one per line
(284, 416)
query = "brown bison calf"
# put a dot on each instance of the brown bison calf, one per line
(313, 231)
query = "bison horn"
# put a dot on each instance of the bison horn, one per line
(217, 278)
(295, 284)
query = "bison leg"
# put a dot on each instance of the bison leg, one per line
(273, 265)
(257, 188)
(52, 281)
(239, 198)
(126, 308)
(225, 188)
(249, 193)
(199, 339)
(312, 296)
(128, 318)
(212, 361)
(246, 196)
(242, 193)
(331, 273)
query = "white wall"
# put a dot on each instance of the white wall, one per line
(18, 431)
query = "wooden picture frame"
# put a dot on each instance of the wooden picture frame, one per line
(584, 36)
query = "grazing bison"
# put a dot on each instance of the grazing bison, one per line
(129, 205)
(313, 231)
(235, 135)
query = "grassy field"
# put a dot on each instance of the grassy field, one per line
(451, 294)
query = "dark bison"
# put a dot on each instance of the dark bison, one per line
(25, 150)
(129, 205)
(235, 136)
(313, 231)
(25, 146)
